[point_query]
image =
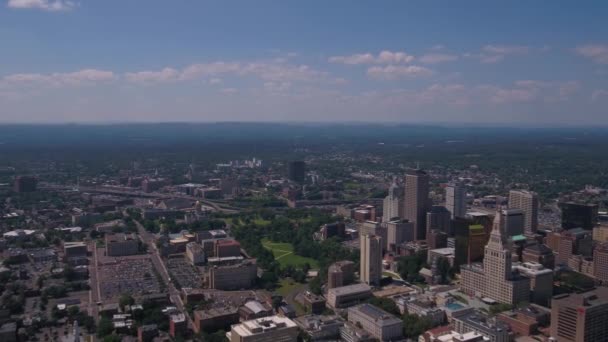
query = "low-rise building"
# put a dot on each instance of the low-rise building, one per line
(121, 244)
(194, 253)
(320, 328)
(492, 329)
(147, 333)
(74, 249)
(227, 248)
(8, 332)
(274, 328)
(178, 325)
(211, 320)
(345, 296)
(233, 277)
(311, 302)
(379, 323)
(254, 309)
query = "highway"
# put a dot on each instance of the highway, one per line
(109, 191)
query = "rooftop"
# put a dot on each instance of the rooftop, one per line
(381, 317)
(262, 325)
(354, 288)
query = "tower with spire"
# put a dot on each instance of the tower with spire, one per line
(495, 278)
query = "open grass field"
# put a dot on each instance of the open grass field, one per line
(283, 253)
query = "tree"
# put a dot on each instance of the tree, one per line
(112, 338)
(414, 325)
(277, 301)
(385, 304)
(315, 285)
(104, 327)
(125, 300)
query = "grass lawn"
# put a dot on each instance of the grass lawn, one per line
(283, 253)
(261, 222)
(287, 286)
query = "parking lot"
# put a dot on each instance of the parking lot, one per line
(132, 275)
(183, 273)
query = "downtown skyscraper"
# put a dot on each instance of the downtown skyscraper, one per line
(527, 201)
(455, 200)
(417, 201)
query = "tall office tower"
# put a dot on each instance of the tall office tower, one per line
(417, 200)
(371, 259)
(393, 203)
(580, 317)
(296, 171)
(600, 263)
(497, 255)
(456, 200)
(397, 232)
(527, 201)
(495, 279)
(578, 215)
(514, 221)
(438, 218)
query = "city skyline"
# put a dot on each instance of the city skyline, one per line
(345, 62)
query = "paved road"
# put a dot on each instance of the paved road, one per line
(174, 294)
(94, 292)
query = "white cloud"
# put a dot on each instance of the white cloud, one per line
(596, 52)
(195, 71)
(45, 5)
(497, 53)
(505, 49)
(393, 72)
(434, 58)
(81, 77)
(229, 90)
(215, 81)
(384, 57)
(599, 94)
(164, 75)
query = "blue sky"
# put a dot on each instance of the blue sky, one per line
(516, 62)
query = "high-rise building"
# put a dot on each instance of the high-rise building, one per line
(495, 278)
(580, 317)
(456, 200)
(438, 218)
(527, 201)
(578, 215)
(600, 233)
(371, 259)
(397, 232)
(296, 171)
(514, 221)
(600, 263)
(416, 201)
(374, 228)
(393, 203)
